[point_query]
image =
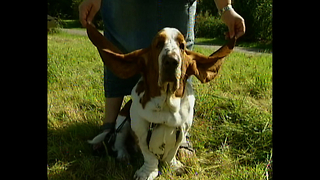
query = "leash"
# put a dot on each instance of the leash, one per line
(121, 125)
(113, 135)
(110, 139)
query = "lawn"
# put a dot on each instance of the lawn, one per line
(231, 133)
(262, 47)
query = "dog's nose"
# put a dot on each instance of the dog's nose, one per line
(170, 62)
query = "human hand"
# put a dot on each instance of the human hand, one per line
(87, 10)
(235, 24)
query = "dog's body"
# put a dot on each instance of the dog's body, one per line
(162, 101)
(169, 118)
(174, 118)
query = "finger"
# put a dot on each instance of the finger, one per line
(240, 30)
(239, 34)
(83, 15)
(92, 12)
(231, 30)
(83, 21)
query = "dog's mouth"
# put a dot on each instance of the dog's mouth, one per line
(170, 87)
(169, 81)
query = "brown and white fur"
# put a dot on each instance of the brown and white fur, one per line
(162, 96)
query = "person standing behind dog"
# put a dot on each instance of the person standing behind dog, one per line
(132, 24)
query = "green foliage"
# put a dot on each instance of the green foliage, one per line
(207, 6)
(69, 9)
(60, 8)
(75, 7)
(58, 25)
(65, 9)
(263, 20)
(257, 16)
(209, 26)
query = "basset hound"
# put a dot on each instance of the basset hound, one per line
(161, 109)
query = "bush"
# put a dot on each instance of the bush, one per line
(209, 26)
(256, 13)
(258, 18)
(54, 25)
(69, 9)
(60, 8)
(263, 20)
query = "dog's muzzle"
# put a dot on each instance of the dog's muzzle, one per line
(171, 72)
(169, 69)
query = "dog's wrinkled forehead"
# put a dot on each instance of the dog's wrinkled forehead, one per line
(174, 37)
(169, 38)
(170, 42)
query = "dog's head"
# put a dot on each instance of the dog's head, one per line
(166, 63)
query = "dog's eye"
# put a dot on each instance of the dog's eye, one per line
(160, 44)
(182, 46)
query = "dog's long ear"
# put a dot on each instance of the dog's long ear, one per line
(122, 65)
(206, 68)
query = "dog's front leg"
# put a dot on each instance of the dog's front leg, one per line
(149, 169)
(175, 164)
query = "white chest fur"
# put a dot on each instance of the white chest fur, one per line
(169, 113)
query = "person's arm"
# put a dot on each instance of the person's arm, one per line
(232, 19)
(222, 3)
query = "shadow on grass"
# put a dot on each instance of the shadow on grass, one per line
(69, 156)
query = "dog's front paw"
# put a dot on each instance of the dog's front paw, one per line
(177, 167)
(144, 174)
(123, 155)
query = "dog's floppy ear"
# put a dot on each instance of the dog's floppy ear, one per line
(206, 68)
(122, 65)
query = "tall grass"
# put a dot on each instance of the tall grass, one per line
(231, 133)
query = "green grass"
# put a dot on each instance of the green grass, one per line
(68, 23)
(266, 47)
(231, 133)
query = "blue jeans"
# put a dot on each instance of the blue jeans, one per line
(132, 24)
